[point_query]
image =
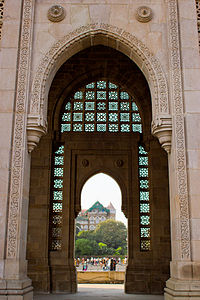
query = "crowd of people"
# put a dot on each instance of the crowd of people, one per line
(103, 264)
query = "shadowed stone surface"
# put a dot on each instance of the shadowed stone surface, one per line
(99, 292)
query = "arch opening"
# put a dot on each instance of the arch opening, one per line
(89, 154)
(103, 188)
(101, 231)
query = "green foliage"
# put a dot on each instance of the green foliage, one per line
(102, 245)
(109, 238)
(118, 251)
(78, 229)
(86, 235)
(85, 247)
(112, 233)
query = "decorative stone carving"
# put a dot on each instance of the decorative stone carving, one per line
(179, 131)
(162, 129)
(144, 14)
(119, 163)
(62, 48)
(18, 142)
(198, 18)
(34, 132)
(85, 163)
(1, 15)
(56, 13)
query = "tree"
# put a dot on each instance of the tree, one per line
(78, 229)
(85, 235)
(112, 233)
(109, 238)
(84, 247)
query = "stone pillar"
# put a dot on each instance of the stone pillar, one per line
(15, 64)
(62, 269)
(132, 213)
(184, 282)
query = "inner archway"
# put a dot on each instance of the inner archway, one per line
(101, 232)
(103, 188)
(126, 149)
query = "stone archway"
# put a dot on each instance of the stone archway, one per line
(179, 190)
(54, 257)
(84, 37)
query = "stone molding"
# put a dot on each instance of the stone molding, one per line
(179, 131)
(1, 15)
(162, 129)
(19, 134)
(34, 132)
(144, 14)
(56, 13)
(61, 50)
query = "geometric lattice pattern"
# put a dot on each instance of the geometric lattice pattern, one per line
(198, 18)
(57, 199)
(145, 219)
(101, 106)
(1, 15)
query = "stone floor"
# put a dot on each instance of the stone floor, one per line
(99, 292)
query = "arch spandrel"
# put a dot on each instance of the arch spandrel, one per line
(82, 38)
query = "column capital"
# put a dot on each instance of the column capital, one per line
(36, 128)
(161, 128)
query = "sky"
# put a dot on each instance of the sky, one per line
(104, 189)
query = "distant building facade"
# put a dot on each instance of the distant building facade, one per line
(90, 218)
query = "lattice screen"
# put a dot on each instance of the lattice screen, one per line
(198, 18)
(101, 106)
(1, 15)
(57, 199)
(145, 218)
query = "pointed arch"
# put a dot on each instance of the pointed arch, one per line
(119, 181)
(82, 38)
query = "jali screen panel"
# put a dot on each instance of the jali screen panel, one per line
(101, 106)
(57, 198)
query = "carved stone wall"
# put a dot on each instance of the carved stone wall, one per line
(179, 132)
(19, 138)
(123, 41)
(39, 57)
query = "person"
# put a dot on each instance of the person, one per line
(114, 265)
(85, 266)
(111, 265)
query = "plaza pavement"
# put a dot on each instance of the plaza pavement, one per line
(99, 292)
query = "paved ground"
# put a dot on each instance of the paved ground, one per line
(99, 292)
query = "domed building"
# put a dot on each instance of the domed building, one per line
(90, 218)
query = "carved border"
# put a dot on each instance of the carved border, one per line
(19, 135)
(177, 103)
(148, 62)
(1, 15)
